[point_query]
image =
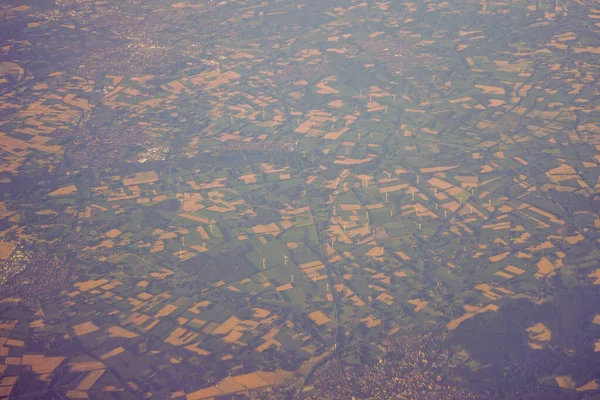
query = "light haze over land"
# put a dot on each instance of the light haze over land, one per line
(299, 199)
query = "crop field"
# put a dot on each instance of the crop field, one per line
(204, 199)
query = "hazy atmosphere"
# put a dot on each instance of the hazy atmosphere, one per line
(300, 200)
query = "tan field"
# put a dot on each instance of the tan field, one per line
(371, 321)
(6, 249)
(318, 317)
(352, 231)
(141, 177)
(40, 364)
(233, 336)
(117, 331)
(76, 394)
(503, 275)
(112, 353)
(111, 285)
(162, 274)
(233, 384)
(471, 312)
(251, 381)
(194, 348)
(85, 328)
(181, 336)
(12, 361)
(391, 189)
(86, 366)
(91, 284)
(324, 89)
(15, 343)
(437, 169)
(491, 89)
(551, 217)
(196, 307)
(539, 334)
(64, 191)
(499, 257)
(166, 310)
(545, 266)
(352, 161)
(248, 179)
(206, 393)
(7, 67)
(335, 135)
(113, 233)
(514, 270)
(460, 100)
(574, 239)
(90, 379)
(7, 325)
(194, 218)
(565, 382)
(437, 182)
(419, 304)
(375, 252)
(285, 287)
(37, 324)
(591, 385)
(227, 326)
(144, 296)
